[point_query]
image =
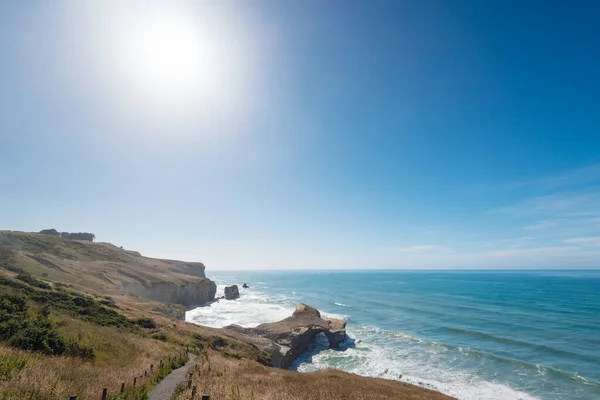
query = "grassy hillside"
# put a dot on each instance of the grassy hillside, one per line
(91, 266)
(67, 329)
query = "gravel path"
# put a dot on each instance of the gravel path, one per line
(164, 390)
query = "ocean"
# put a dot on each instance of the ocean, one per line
(474, 335)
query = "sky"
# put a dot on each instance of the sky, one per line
(307, 134)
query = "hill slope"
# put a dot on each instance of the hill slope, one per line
(105, 268)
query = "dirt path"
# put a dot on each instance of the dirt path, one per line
(164, 390)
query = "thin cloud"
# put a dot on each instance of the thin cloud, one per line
(519, 239)
(579, 203)
(592, 240)
(421, 248)
(541, 225)
(517, 254)
(576, 177)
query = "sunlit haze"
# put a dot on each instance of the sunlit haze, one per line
(307, 134)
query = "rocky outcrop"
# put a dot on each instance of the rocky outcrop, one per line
(187, 293)
(245, 286)
(286, 340)
(232, 292)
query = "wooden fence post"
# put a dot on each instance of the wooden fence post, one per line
(151, 368)
(105, 394)
(193, 392)
(122, 387)
(134, 380)
(145, 373)
(189, 383)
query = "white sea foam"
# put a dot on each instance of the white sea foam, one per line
(410, 365)
(251, 309)
(340, 304)
(375, 352)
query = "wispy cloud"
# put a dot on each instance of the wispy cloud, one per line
(519, 239)
(591, 240)
(545, 256)
(560, 215)
(577, 177)
(570, 204)
(421, 248)
(541, 225)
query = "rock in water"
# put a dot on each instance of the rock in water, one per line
(231, 292)
(286, 340)
(245, 286)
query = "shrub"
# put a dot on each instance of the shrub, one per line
(19, 330)
(6, 253)
(13, 268)
(38, 338)
(146, 323)
(160, 336)
(75, 349)
(30, 280)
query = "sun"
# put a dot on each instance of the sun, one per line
(166, 69)
(165, 54)
(176, 66)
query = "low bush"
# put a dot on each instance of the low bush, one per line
(18, 329)
(146, 323)
(160, 336)
(13, 268)
(31, 281)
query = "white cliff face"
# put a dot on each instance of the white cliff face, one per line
(188, 294)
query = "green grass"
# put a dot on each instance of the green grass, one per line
(10, 365)
(22, 329)
(31, 281)
(73, 303)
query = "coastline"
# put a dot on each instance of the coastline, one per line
(390, 344)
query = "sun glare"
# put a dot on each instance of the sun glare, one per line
(164, 55)
(165, 68)
(173, 64)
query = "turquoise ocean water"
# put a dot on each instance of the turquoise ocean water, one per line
(474, 335)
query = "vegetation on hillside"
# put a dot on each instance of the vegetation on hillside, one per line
(230, 378)
(70, 235)
(20, 329)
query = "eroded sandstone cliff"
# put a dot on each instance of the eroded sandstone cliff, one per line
(187, 293)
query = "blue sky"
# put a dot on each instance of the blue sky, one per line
(307, 134)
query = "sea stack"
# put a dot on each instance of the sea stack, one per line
(232, 292)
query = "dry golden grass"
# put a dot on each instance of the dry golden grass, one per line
(120, 355)
(229, 378)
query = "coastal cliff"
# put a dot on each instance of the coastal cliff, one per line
(107, 268)
(187, 294)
